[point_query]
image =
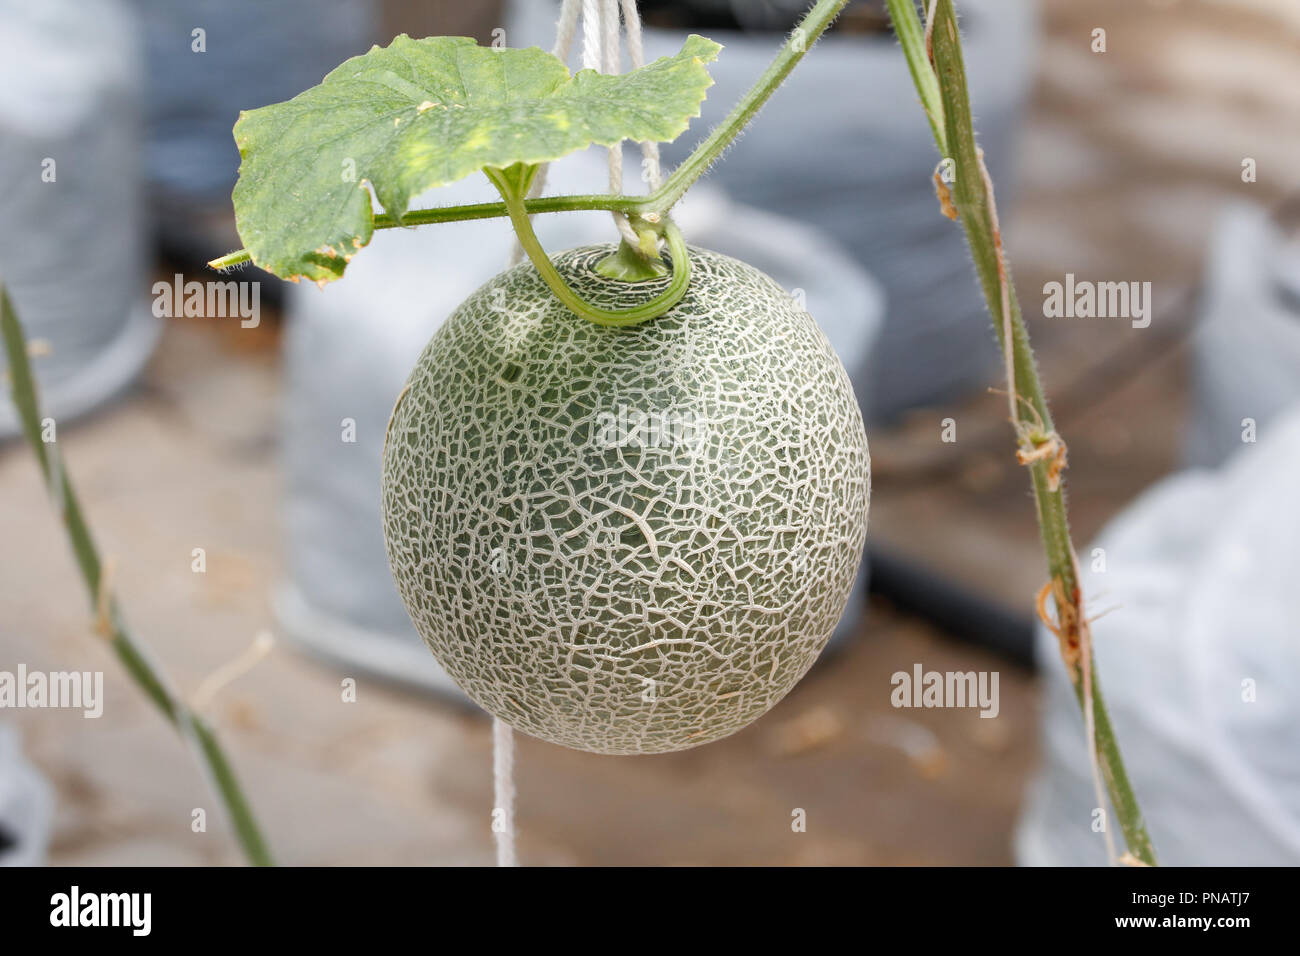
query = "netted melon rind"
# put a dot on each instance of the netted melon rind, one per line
(627, 540)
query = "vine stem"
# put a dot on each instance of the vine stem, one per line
(939, 74)
(654, 205)
(513, 185)
(801, 39)
(465, 213)
(192, 728)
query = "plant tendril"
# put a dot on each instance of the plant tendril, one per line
(513, 185)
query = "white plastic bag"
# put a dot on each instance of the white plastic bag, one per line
(72, 247)
(26, 805)
(1247, 339)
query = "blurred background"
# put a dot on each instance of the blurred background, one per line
(1159, 150)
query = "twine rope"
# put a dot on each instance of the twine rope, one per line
(503, 791)
(600, 52)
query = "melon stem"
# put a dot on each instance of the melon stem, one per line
(513, 184)
(630, 265)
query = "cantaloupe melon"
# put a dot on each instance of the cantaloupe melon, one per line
(626, 540)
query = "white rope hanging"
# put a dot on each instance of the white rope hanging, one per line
(635, 53)
(503, 791)
(600, 51)
(600, 23)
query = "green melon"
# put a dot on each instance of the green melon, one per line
(626, 540)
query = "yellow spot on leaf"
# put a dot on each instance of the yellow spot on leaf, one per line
(479, 138)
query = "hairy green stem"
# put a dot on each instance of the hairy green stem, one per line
(192, 728)
(813, 25)
(513, 185)
(911, 34)
(657, 203)
(481, 210)
(941, 84)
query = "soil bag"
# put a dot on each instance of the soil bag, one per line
(1247, 340)
(72, 252)
(210, 59)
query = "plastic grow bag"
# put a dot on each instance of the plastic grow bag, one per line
(72, 251)
(1247, 338)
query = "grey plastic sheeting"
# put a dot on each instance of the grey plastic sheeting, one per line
(72, 251)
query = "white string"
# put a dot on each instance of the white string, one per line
(600, 29)
(231, 671)
(503, 777)
(610, 64)
(636, 54)
(565, 27)
(609, 37)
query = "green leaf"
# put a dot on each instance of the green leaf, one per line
(422, 113)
